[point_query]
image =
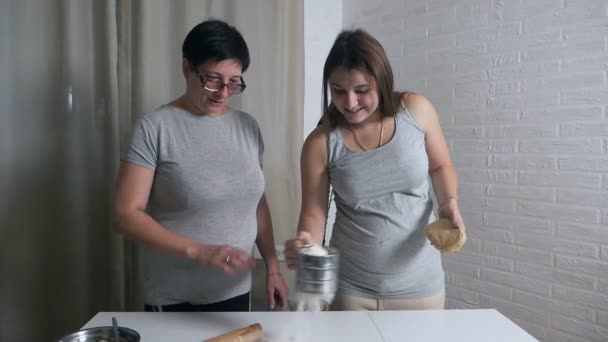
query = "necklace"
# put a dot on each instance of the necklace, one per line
(379, 142)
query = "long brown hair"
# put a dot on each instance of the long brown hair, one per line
(357, 49)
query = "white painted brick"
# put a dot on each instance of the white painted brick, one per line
(493, 262)
(584, 129)
(522, 101)
(585, 63)
(602, 318)
(522, 71)
(583, 232)
(605, 217)
(562, 18)
(413, 32)
(566, 81)
(559, 179)
(472, 218)
(453, 25)
(478, 60)
(530, 193)
(604, 252)
(554, 335)
(562, 114)
(598, 300)
(574, 311)
(536, 331)
(584, 164)
(472, 245)
(471, 205)
(507, 10)
(491, 33)
(554, 276)
(477, 285)
(460, 132)
(585, 97)
(521, 162)
(526, 40)
(590, 198)
(517, 281)
(488, 89)
(516, 253)
(561, 146)
(489, 176)
(463, 295)
(519, 223)
(592, 267)
(556, 245)
(500, 205)
(491, 234)
(455, 304)
(468, 117)
(603, 286)
(558, 211)
(407, 12)
(520, 131)
(471, 189)
(582, 329)
(484, 146)
(460, 267)
(563, 49)
(509, 309)
(466, 161)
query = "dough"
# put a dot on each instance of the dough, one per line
(444, 236)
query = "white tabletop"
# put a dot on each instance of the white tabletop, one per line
(387, 326)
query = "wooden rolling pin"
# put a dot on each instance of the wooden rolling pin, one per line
(252, 333)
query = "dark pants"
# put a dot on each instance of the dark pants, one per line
(238, 303)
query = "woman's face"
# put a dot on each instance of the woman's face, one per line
(354, 94)
(225, 75)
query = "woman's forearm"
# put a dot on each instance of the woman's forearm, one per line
(445, 183)
(265, 238)
(139, 226)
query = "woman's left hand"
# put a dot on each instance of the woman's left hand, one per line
(277, 290)
(450, 210)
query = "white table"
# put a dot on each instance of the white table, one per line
(353, 326)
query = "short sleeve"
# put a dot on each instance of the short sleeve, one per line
(143, 146)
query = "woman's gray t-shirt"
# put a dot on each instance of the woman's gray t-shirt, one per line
(383, 203)
(207, 184)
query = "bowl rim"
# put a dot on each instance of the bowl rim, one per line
(120, 328)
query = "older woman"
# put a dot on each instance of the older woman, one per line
(191, 188)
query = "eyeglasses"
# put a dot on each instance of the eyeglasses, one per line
(214, 84)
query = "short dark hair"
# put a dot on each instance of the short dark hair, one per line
(215, 40)
(358, 50)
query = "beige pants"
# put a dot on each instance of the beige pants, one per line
(351, 303)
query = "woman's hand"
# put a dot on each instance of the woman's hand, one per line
(292, 246)
(449, 209)
(225, 258)
(277, 290)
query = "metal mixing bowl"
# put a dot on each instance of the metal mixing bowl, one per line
(101, 334)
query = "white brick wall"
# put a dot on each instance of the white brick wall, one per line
(522, 92)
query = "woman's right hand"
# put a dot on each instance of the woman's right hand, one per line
(228, 259)
(292, 246)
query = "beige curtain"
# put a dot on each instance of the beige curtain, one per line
(75, 75)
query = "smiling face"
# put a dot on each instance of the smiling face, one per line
(226, 73)
(354, 94)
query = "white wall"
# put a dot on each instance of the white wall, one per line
(522, 93)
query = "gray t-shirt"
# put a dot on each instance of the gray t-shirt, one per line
(207, 184)
(382, 206)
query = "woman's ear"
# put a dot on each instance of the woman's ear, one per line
(185, 67)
